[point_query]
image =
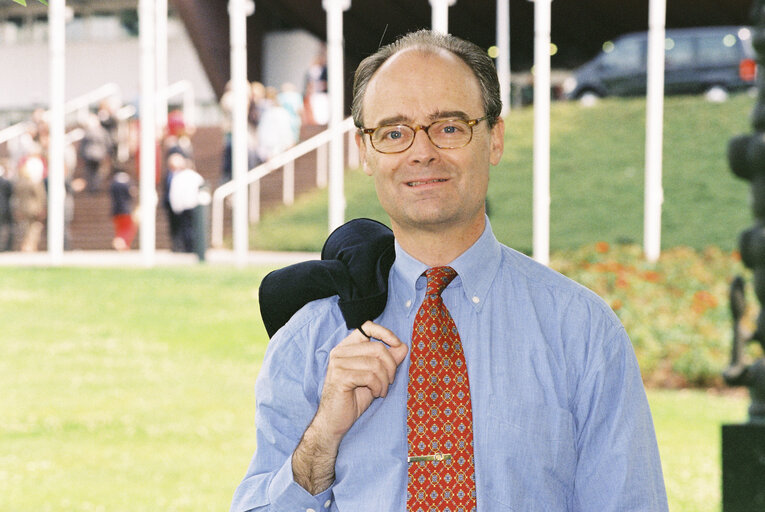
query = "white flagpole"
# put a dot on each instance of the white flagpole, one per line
(161, 52)
(439, 15)
(237, 11)
(147, 184)
(56, 171)
(654, 131)
(541, 237)
(334, 9)
(503, 57)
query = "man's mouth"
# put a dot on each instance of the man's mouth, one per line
(426, 182)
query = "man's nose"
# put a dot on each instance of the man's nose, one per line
(422, 150)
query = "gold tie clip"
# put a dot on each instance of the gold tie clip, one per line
(437, 457)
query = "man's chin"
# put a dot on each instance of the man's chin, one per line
(431, 221)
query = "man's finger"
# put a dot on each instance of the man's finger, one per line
(377, 331)
(368, 354)
(362, 332)
(397, 348)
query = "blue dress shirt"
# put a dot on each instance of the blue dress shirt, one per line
(560, 417)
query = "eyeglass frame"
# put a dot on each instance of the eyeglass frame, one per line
(470, 122)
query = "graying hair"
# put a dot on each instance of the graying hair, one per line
(471, 54)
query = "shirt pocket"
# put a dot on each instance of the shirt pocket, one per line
(529, 456)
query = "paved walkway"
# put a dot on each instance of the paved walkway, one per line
(161, 259)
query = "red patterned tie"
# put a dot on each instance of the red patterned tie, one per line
(439, 415)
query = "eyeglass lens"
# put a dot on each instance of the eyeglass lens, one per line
(445, 134)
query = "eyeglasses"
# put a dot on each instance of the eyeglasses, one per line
(444, 134)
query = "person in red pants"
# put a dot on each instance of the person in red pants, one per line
(122, 194)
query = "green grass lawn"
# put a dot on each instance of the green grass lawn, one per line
(126, 389)
(132, 390)
(687, 426)
(596, 173)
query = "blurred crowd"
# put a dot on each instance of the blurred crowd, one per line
(23, 186)
(99, 152)
(275, 116)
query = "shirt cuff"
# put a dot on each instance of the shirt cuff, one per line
(286, 494)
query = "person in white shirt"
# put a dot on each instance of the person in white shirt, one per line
(185, 183)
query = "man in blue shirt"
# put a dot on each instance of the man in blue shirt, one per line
(560, 417)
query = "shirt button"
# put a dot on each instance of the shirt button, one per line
(309, 510)
(327, 503)
(408, 303)
(476, 300)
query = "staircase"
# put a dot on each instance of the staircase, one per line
(91, 227)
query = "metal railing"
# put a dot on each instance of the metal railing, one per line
(287, 160)
(80, 105)
(77, 134)
(13, 131)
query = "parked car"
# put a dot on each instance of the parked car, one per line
(697, 60)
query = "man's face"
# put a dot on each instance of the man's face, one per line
(424, 187)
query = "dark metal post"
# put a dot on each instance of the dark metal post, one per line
(743, 446)
(202, 223)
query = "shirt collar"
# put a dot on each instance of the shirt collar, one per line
(476, 268)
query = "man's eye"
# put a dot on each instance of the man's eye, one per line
(391, 134)
(451, 128)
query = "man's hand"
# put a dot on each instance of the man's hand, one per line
(359, 371)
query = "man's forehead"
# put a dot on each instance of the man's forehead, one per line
(418, 84)
(421, 51)
(420, 60)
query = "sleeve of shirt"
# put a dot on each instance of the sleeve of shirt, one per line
(619, 466)
(286, 400)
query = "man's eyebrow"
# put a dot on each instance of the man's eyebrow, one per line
(439, 114)
(449, 114)
(393, 120)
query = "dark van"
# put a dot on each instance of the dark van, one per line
(697, 60)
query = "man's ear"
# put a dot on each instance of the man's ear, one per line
(362, 153)
(497, 141)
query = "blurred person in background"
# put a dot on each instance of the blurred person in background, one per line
(107, 116)
(95, 148)
(176, 142)
(173, 163)
(6, 214)
(177, 138)
(258, 105)
(315, 97)
(122, 192)
(28, 142)
(183, 198)
(72, 186)
(256, 93)
(275, 130)
(29, 200)
(226, 104)
(292, 101)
